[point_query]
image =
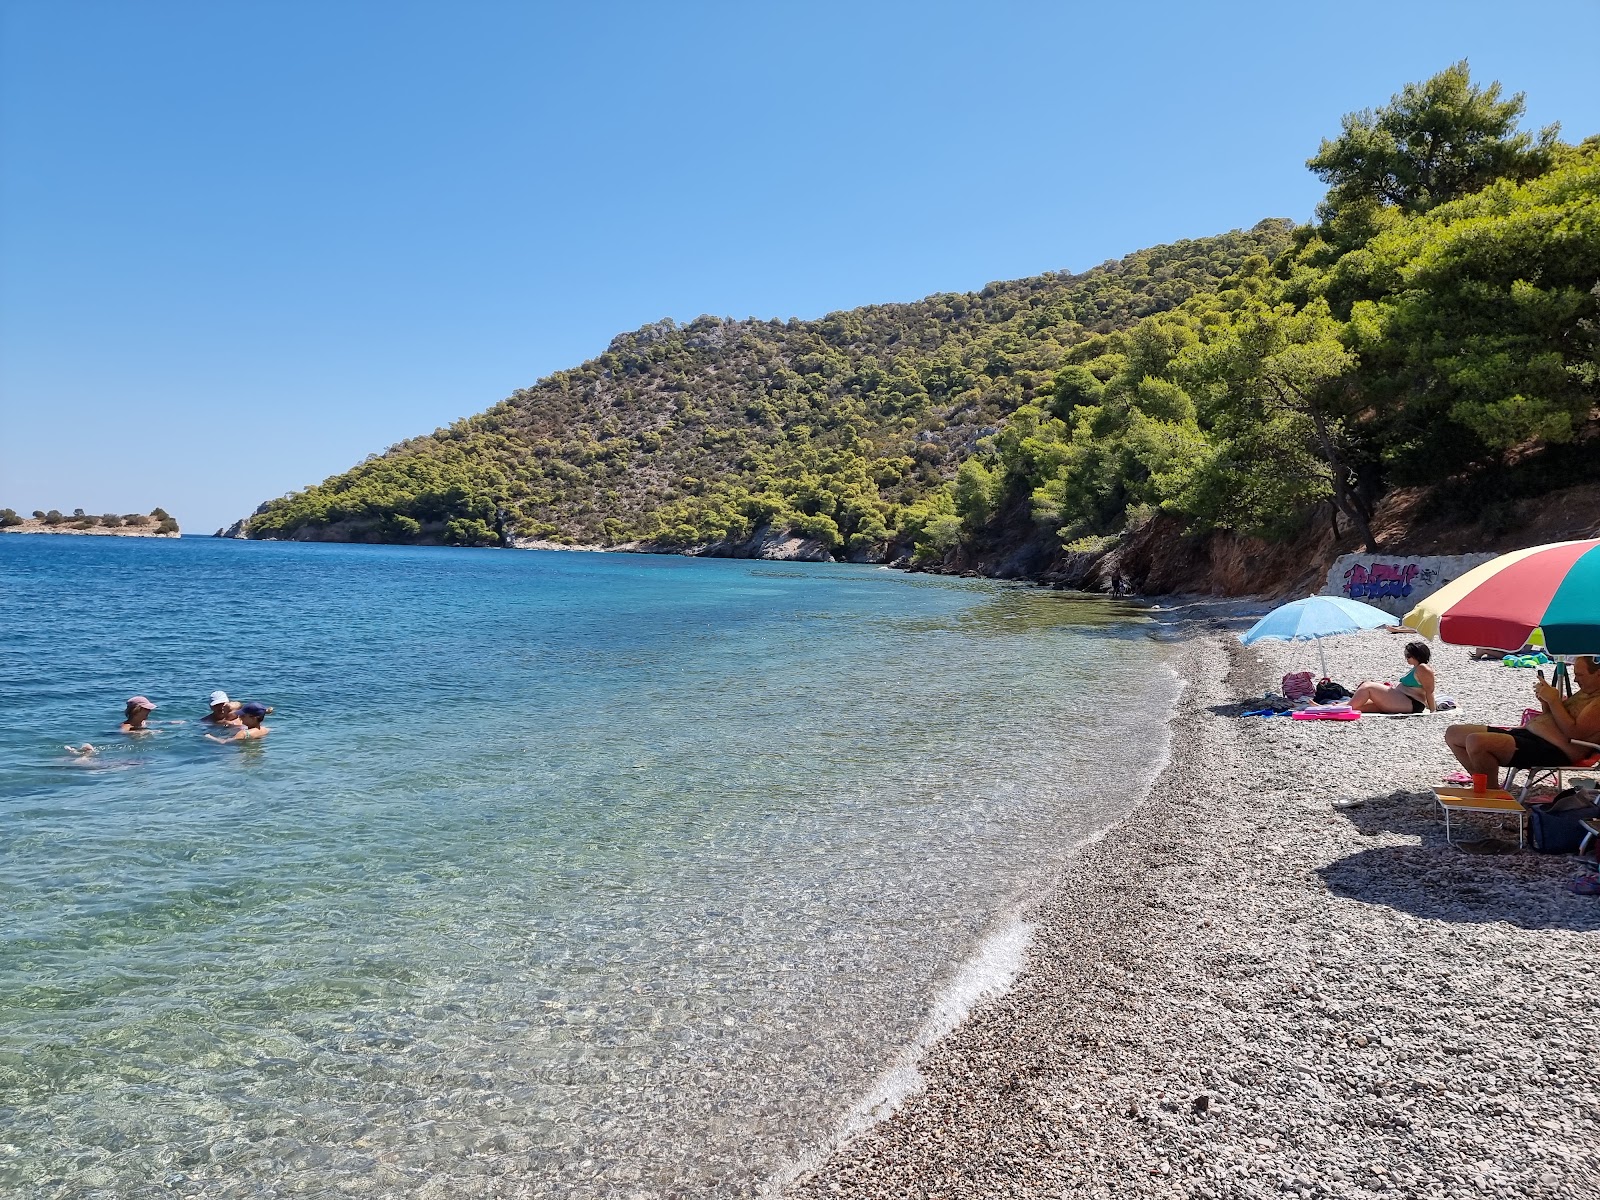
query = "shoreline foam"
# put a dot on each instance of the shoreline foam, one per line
(986, 975)
(1241, 990)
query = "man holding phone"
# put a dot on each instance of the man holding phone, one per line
(1547, 740)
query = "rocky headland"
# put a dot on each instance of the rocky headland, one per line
(93, 528)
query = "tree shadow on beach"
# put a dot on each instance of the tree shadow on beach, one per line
(1436, 881)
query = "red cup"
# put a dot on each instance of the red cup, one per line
(1480, 784)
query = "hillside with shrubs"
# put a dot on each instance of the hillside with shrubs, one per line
(1436, 325)
(692, 433)
(157, 522)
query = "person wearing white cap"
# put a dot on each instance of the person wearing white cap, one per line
(223, 711)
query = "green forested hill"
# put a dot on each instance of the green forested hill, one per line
(1439, 320)
(1436, 325)
(691, 433)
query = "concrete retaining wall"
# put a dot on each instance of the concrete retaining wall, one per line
(1395, 583)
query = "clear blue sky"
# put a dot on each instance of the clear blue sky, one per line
(245, 244)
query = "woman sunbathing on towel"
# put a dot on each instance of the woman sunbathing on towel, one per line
(1546, 740)
(1414, 694)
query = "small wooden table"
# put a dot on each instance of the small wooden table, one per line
(1494, 801)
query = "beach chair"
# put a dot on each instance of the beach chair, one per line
(1494, 802)
(1533, 777)
(1588, 849)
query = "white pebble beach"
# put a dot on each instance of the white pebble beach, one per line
(1248, 989)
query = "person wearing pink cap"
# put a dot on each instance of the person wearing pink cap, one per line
(136, 714)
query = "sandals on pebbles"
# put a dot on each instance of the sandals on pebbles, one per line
(1486, 846)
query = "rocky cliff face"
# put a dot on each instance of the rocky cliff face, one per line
(783, 545)
(1153, 559)
(1156, 558)
(1159, 559)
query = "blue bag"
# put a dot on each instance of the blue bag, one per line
(1562, 832)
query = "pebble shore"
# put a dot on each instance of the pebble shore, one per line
(1274, 977)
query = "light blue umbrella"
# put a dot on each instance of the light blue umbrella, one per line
(1313, 618)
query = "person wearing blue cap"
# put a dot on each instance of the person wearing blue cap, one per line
(250, 716)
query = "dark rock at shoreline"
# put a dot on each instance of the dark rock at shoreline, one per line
(782, 545)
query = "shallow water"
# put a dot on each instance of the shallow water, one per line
(560, 874)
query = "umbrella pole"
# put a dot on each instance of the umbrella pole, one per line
(1322, 657)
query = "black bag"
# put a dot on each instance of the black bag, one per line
(1557, 827)
(1329, 692)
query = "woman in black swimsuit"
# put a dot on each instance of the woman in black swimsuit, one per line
(1413, 695)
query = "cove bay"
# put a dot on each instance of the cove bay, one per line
(561, 874)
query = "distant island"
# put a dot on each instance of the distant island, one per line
(156, 523)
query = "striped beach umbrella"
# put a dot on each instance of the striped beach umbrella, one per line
(1500, 603)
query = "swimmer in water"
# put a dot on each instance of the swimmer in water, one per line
(223, 711)
(84, 752)
(250, 716)
(135, 715)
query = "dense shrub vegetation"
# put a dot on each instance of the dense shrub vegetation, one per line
(1440, 316)
(82, 520)
(691, 433)
(1416, 332)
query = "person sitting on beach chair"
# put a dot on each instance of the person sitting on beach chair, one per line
(1547, 740)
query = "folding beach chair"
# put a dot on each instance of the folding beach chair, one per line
(1535, 776)
(1587, 849)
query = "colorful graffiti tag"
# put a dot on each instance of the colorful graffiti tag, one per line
(1395, 582)
(1377, 581)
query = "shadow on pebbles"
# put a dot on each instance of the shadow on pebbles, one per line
(1274, 977)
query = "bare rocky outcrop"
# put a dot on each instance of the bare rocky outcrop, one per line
(241, 528)
(1156, 557)
(769, 542)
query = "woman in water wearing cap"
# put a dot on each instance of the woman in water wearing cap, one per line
(250, 716)
(135, 715)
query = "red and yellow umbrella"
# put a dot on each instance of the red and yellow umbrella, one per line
(1500, 603)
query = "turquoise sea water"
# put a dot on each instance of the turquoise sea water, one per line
(559, 874)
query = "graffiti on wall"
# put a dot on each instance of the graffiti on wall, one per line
(1396, 582)
(1380, 581)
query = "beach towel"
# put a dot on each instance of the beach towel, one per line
(1327, 712)
(1441, 704)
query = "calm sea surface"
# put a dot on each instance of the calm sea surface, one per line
(559, 874)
